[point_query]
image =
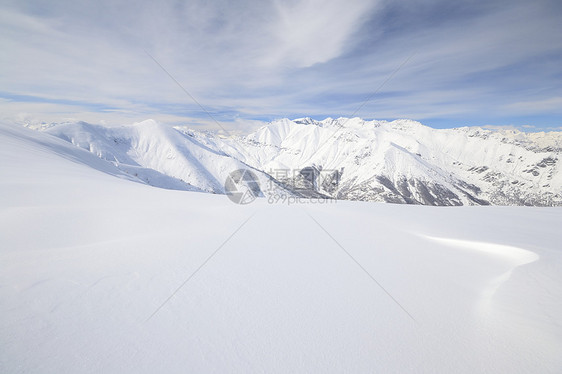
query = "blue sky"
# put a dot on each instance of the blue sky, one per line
(453, 63)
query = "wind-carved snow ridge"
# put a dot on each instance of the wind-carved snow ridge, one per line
(513, 256)
(400, 161)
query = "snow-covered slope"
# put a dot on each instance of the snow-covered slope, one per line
(404, 161)
(98, 274)
(147, 147)
(400, 161)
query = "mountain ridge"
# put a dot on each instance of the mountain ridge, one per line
(399, 161)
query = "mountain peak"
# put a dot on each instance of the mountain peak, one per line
(400, 161)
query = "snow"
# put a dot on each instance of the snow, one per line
(87, 256)
(399, 161)
(155, 154)
(405, 150)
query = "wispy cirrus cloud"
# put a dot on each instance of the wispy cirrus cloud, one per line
(305, 33)
(549, 104)
(491, 63)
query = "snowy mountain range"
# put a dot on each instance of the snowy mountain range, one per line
(352, 159)
(100, 274)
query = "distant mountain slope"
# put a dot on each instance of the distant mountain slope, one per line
(148, 147)
(400, 161)
(405, 162)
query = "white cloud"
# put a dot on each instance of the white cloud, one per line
(25, 112)
(272, 59)
(313, 31)
(553, 103)
(502, 127)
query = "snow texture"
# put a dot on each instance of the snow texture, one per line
(87, 256)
